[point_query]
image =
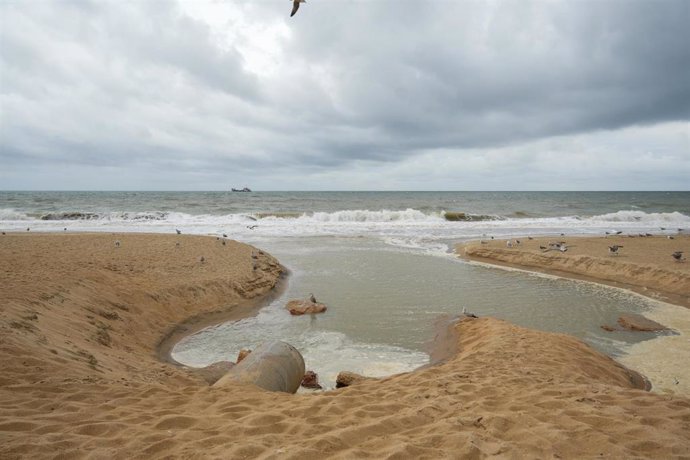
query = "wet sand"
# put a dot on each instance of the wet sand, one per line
(82, 323)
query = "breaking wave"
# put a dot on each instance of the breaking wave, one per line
(355, 217)
(641, 217)
(113, 216)
(12, 214)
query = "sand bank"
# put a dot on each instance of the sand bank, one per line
(643, 265)
(81, 320)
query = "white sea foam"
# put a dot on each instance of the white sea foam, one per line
(10, 214)
(408, 229)
(318, 347)
(665, 359)
(364, 215)
(642, 217)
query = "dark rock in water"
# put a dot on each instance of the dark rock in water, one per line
(608, 328)
(301, 307)
(311, 380)
(242, 354)
(346, 378)
(634, 322)
(213, 372)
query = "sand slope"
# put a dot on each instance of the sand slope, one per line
(508, 391)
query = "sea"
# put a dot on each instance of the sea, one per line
(383, 262)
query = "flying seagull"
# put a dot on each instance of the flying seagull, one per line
(295, 6)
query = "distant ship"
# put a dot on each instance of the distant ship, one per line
(246, 189)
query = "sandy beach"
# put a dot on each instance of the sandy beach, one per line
(86, 325)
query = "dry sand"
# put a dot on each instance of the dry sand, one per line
(81, 322)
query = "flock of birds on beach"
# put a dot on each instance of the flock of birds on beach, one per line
(560, 246)
(613, 250)
(202, 259)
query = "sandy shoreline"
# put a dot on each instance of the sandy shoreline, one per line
(82, 321)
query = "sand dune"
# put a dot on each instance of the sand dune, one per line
(81, 322)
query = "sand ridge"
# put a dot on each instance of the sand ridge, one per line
(508, 391)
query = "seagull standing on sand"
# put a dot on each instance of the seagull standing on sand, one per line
(117, 243)
(312, 298)
(678, 255)
(467, 313)
(178, 231)
(295, 6)
(614, 249)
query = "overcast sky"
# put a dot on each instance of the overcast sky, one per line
(346, 95)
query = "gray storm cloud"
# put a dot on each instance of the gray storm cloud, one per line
(149, 85)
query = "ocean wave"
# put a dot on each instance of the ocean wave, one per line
(13, 214)
(138, 216)
(641, 217)
(110, 216)
(365, 215)
(70, 216)
(453, 216)
(277, 215)
(297, 222)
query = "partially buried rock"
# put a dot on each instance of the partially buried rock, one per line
(346, 378)
(302, 307)
(242, 354)
(213, 372)
(311, 380)
(635, 322)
